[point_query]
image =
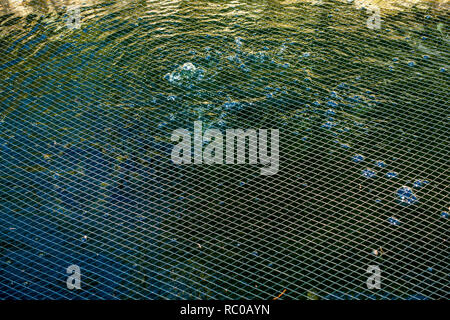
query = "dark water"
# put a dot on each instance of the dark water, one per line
(87, 179)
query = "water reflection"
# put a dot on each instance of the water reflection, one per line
(22, 7)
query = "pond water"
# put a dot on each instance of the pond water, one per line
(88, 104)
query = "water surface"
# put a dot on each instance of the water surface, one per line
(86, 176)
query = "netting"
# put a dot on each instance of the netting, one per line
(92, 92)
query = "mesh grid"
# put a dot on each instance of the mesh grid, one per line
(87, 178)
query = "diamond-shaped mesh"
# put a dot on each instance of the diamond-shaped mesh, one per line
(87, 178)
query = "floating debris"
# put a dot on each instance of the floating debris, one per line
(277, 297)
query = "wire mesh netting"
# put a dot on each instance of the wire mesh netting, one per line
(92, 91)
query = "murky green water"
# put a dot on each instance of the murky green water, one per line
(87, 179)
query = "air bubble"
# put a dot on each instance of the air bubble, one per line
(368, 173)
(380, 164)
(391, 175)
(406, 196)
(357, 158)
(394, 221)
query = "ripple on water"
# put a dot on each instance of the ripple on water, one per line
(106, 176)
